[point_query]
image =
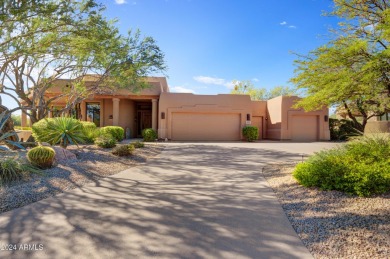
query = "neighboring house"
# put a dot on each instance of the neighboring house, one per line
(375, 124)
(185, 116)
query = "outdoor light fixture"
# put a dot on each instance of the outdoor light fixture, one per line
(163, 115)
(248, 117)
(326, 118)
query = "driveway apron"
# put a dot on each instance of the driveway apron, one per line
(192, 201)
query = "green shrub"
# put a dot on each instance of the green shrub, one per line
(149, 135)
(342, 129)
(22, 128)
(39, 130)
(123, 150)
(138, 144)
(361, 167)
(12, 169)
(90, 131)
(105, 140)
(41, 156)
(251, 133)
(117, 132)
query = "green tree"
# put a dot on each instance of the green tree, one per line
(43, 41)
(247, 87)
(352, 70)
(16, 118)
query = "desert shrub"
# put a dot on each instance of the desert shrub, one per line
(12, 169)
(38, 130)
(123, 150)
(105, 140)
(90, 131)
(41, 156)
(117, 132)
(22, 128)
(251, 133)
(138, 144)
(149, 135)
(342, 129)
(361, 167)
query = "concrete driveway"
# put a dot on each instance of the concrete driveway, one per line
(196, 200)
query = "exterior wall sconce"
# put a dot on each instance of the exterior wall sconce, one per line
(110, 117)
(163, 115)
(326, 118)
(248, 117)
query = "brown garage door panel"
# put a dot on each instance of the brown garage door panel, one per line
(304, 128)
(205, 126)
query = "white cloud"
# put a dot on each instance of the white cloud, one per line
(283, 23)
(214, 81)
(292, 27)
(255, 79)
(180, 89)
(120, 1)
(209, 80)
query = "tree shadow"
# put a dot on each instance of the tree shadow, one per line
(193, 202)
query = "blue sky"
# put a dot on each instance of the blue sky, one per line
(209, 43)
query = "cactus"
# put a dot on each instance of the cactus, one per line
(41, 156)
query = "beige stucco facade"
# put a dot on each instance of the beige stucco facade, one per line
(185, 116)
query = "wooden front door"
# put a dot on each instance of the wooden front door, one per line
(144, 119)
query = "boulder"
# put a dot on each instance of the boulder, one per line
(63, 155)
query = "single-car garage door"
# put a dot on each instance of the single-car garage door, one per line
(304, 128)
(205, 126)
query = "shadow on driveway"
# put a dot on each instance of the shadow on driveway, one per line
(193, 201)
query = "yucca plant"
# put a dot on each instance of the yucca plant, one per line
(64, 131)
(41, 156)
(12, 169)
(10, 138)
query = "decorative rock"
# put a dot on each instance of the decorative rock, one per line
(63, 155)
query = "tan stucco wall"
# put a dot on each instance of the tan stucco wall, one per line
(281, 116)
(377, 127)
(274, 118)
(171, 103)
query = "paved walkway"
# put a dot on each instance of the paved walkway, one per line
(194, 201)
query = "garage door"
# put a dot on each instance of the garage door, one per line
(304, 128)
(205, 126)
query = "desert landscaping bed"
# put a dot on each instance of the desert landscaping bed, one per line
(91, 164)
(332, 224)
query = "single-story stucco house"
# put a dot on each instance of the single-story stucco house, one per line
(186, 116)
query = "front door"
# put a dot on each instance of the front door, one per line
(144, 117)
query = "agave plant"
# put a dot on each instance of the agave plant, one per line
(64, 131)
(10, 138)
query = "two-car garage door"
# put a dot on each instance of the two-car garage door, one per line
(205, 126)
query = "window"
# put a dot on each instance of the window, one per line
(385, 117)
(93, 113)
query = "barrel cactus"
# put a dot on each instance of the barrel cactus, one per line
(41, 156)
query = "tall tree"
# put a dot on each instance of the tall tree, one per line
(352, 70)
(43, 41)
(256, 94)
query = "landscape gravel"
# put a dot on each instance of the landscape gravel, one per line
(91, 164)
(332, 224)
